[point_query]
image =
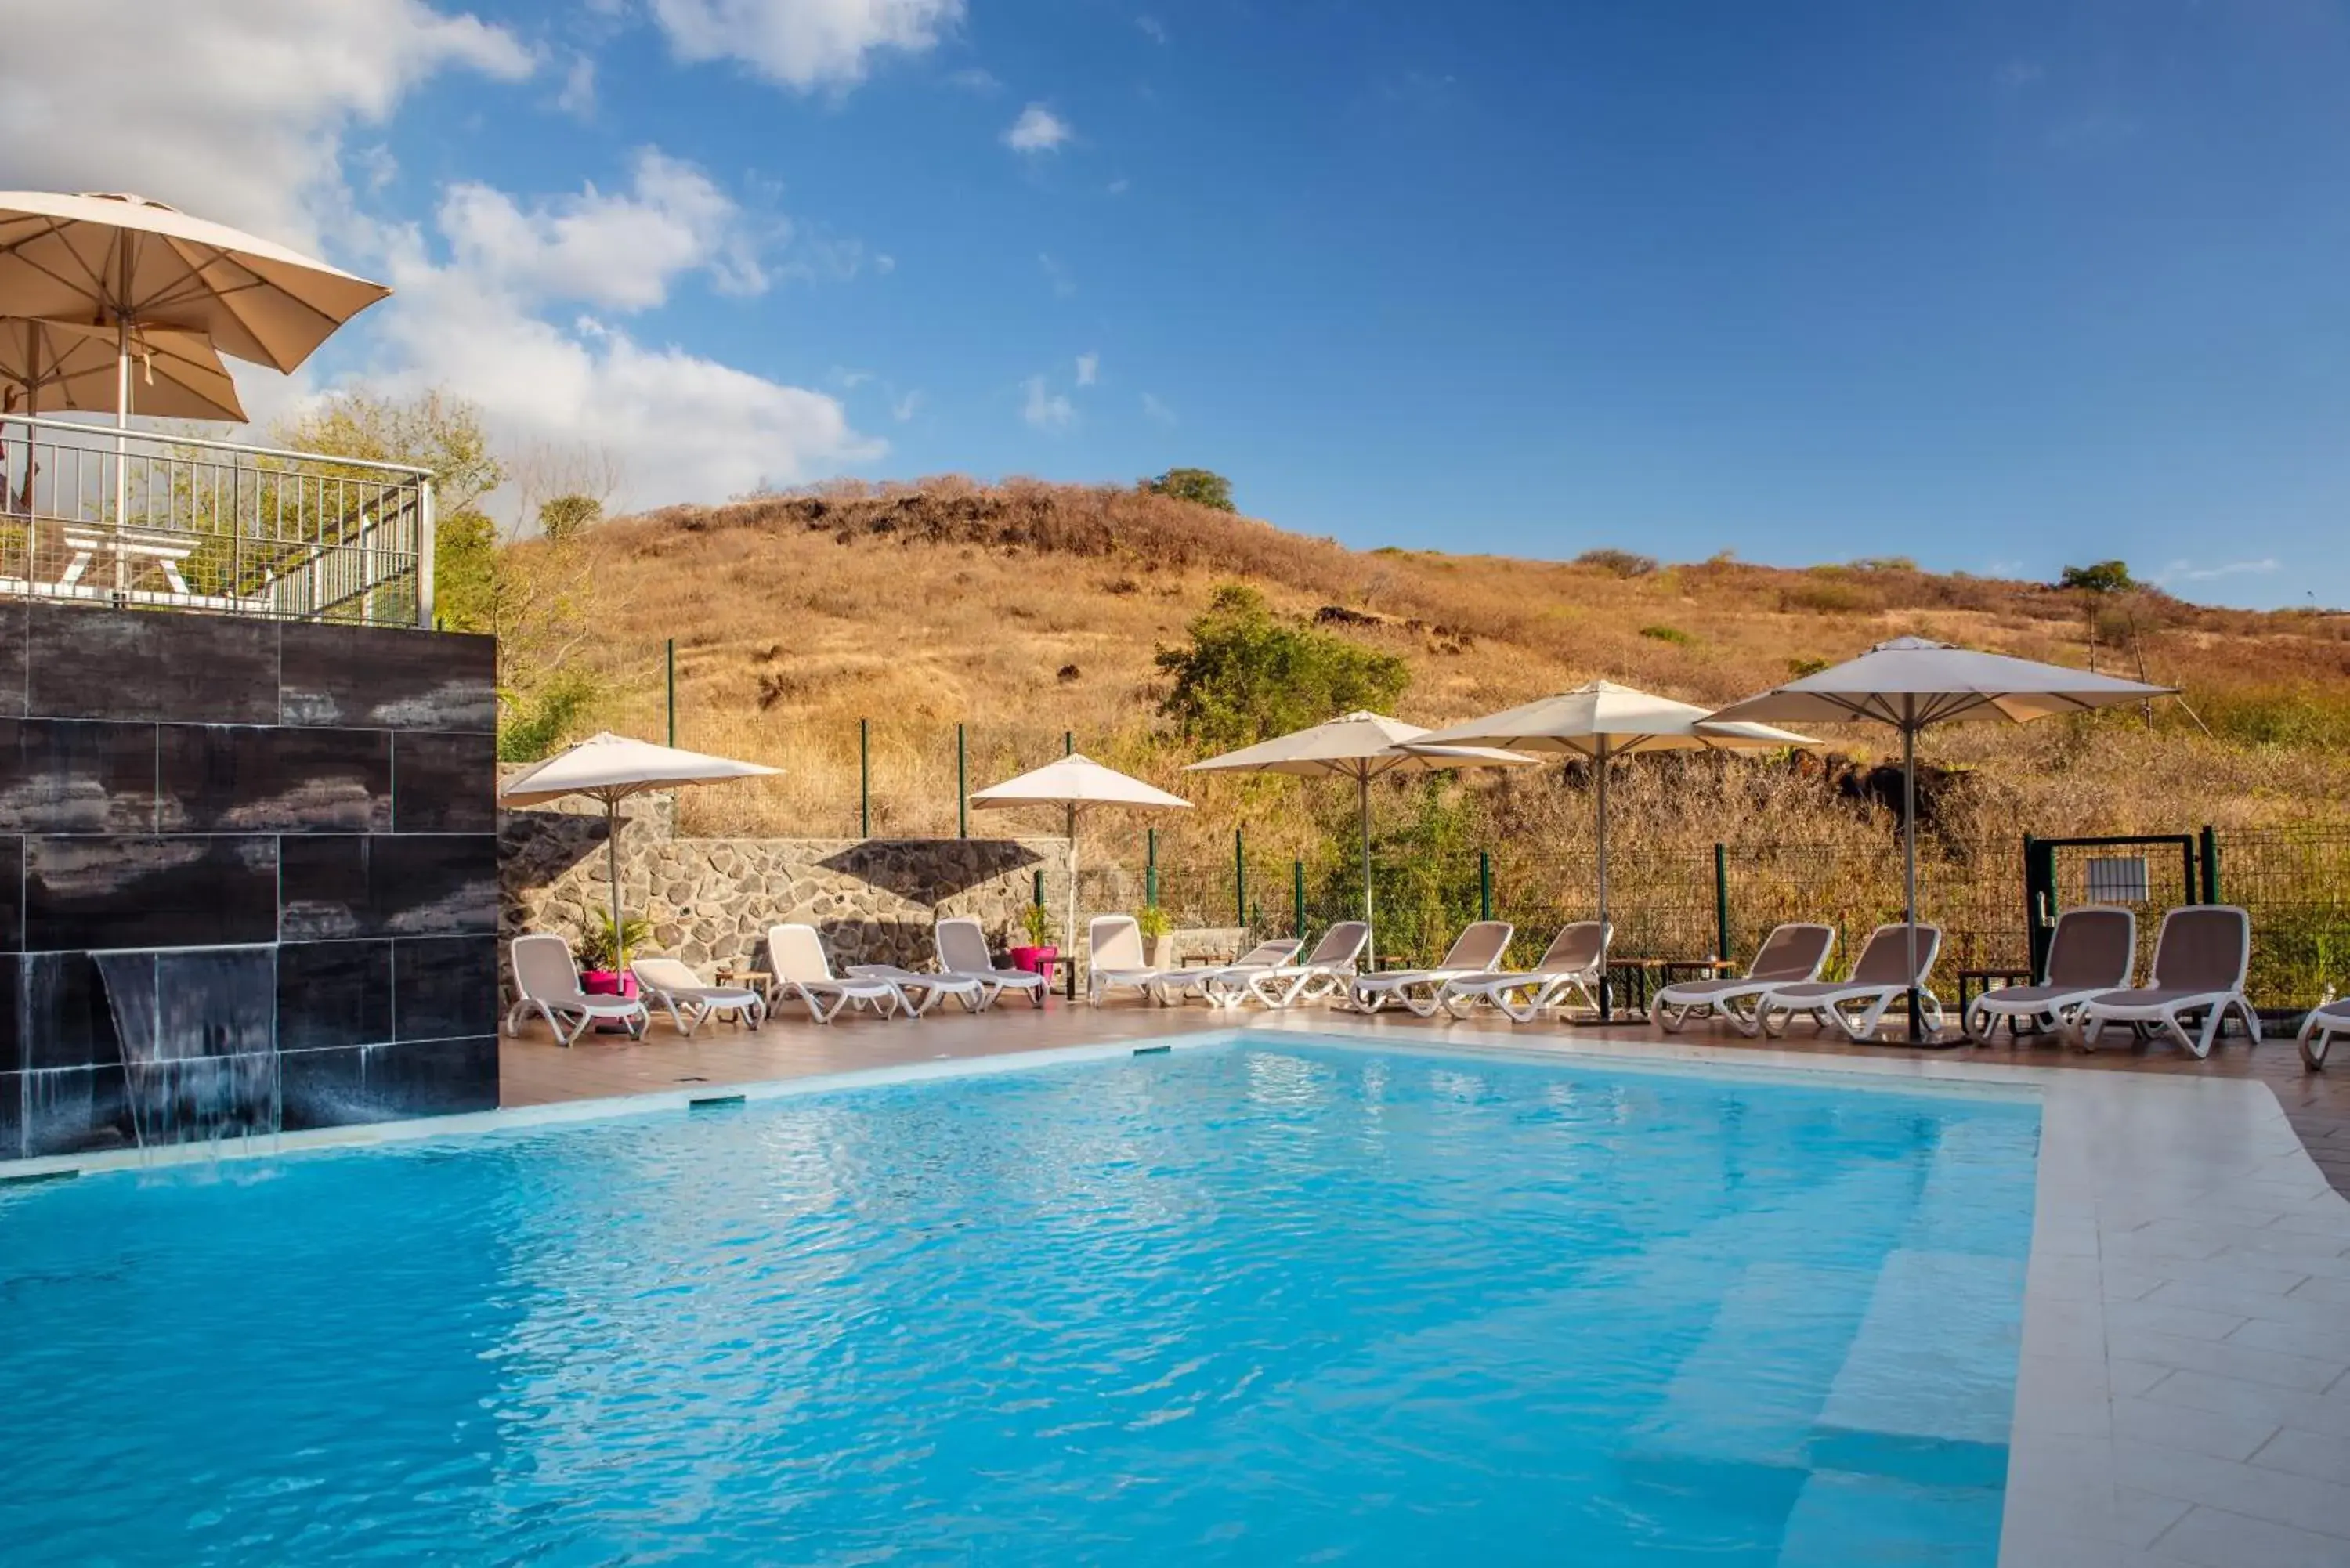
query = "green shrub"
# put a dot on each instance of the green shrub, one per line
(531, 726)
(1248, 674)
(1827, 597)
(1618, 563)
(1671, 634)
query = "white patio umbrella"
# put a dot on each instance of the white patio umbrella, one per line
(1361, 746)
(611, 768)
(66, 367)
(1911, 683)
(1079, 784)
(1602, 722)
(128, 264)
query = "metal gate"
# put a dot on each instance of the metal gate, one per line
(2148, 873)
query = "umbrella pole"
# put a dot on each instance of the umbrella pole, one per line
(122, 426)
(1600, 763)
(612, 866)
(1363, 798)
(1910, 860)
(1070, 955)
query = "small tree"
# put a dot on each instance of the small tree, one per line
(567, 517)
(1248, 674)
(2100, 577)
(1198, 486)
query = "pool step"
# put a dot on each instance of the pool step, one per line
(1935, 1356)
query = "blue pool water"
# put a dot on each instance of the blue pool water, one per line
(1269, 1304)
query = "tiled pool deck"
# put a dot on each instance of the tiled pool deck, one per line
(2184, 1395)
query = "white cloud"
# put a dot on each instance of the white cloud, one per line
(1152, 28)
(905, 407)
(1088, 368)
(975, 78)
(235, 109)
(1156, 410)
(578, 95)
(1063, 283)
(1038, 129)
(618, 250)
(1046, 411)
(804, 44)
(2189, 571)
(1120, 186)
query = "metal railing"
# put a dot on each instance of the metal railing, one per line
(95, 514)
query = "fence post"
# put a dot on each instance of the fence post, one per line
(1069, 814)
(865, 778)
(1720, 901)
(1485, 885)
(962, 787)
(1297, 897)
(1150, 867)
(669, 659)
(2210, 865)
(1240, 879)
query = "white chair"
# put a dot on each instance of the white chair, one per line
(962, 951)
(1880, 976)
(1327, 970)
(2200, 959)
(547, 982)
(922, 991)
(1574, 964)
(2325, 1021)
(795, 958)
(1790, 955)
(2092, 949)
(1224, 985)
(691, 1001)
(1477, 950)
(1114, 958)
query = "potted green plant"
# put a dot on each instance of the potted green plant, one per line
(604, 955)
(1037, 957)
(1158, 930)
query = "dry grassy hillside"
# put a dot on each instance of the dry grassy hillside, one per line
(1028, 609)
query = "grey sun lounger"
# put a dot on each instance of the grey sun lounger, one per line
(2200, 959)
(2318, 1030)
(1327, 970)
(1790, 955)
(691, 1000)
(1575, 963)
(924, 991)
(2092, 950)
(1881, 977)
(961, 945)
(1477, 950)
(547, 982)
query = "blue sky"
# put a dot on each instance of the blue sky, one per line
(1999, 285)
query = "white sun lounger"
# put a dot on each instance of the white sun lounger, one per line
(547, 982)
(1114, 959)
(689, 1002)
(1477, 950)
(1575, 963)
(1224, 985)
(963, 951)
(795, 958)
(1881, 977)
(2200, 959)
(1327, 970)
(2318, 1030)
(923, 990)
(1790, 955)
(2092, 949)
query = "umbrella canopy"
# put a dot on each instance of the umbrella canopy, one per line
(1910, 683)
(1076, 782)
(1604, 720)
(114, 260)
(63, 366)
(610, 768)
(1361, 746)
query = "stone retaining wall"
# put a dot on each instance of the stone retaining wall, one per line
(710, 900)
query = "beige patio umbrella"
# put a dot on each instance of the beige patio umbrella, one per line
(1361, 746)
(611, 768)
(1079, 784)
(64, 367)
(126, 265)
(1602, 722)
(1911, 683)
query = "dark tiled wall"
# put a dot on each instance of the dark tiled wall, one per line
(171, 781)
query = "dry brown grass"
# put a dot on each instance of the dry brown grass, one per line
(1028, 609)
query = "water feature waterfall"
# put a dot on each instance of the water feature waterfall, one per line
(198, 1028)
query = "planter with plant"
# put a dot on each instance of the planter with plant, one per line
(1037, 957)
(1158, 930)
(604, 959)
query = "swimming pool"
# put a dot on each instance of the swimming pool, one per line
(1272, 1301)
